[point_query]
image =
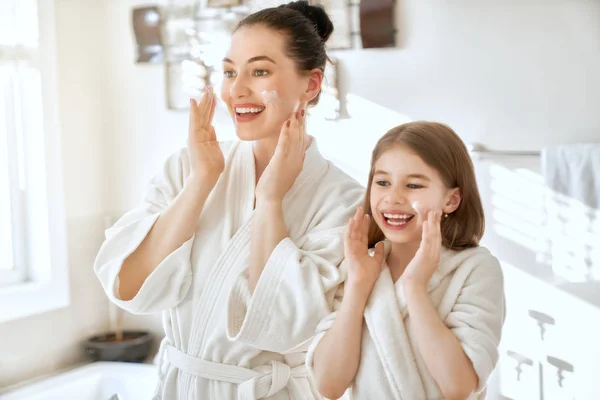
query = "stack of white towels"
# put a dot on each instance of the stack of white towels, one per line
(571, 235)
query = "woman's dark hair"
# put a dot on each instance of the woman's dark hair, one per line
(307, 28)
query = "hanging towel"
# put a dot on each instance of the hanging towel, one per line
(571, 236)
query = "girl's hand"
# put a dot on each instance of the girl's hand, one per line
(426, 260)
(286, 163)
(363, 269)
(206, 158)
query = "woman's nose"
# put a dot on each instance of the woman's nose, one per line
(239, 88)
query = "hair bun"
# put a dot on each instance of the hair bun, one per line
(317, 15)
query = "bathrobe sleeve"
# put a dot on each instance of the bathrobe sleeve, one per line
(168, 284)
(478, 315)
(296, 288)
(324, 326)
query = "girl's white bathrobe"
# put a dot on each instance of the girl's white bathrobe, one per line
(467, 289)
(222, 343)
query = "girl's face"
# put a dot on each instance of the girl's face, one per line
(261, 85)
(403, 191)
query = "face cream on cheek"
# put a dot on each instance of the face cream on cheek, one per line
(418, 207)
(270, 96)
(423, 209)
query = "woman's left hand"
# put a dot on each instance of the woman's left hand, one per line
(286, 164)
(426, 260)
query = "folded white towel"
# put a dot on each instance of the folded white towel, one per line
(572, 198)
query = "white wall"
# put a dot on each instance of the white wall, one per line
(510, 74)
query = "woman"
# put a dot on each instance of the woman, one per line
(238, 244)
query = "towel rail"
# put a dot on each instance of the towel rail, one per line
(479, 149)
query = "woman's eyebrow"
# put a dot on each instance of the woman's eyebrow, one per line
(251, 60)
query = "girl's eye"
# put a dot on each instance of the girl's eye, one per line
(228, 73)
(382, 183)
(413, 186)
(260, 72)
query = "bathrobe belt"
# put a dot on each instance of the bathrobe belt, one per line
(256, 383)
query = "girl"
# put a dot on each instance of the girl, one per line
(431, 298)
(238, 244)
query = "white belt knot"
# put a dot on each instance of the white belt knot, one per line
(271, 380)
(257, 383)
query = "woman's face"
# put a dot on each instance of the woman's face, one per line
(261, 85)
(404, 189)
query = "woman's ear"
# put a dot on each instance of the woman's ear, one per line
(452, 201)
(313, 86)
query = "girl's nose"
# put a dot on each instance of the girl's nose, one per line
(397, 197)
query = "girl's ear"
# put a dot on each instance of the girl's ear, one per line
(453, 200)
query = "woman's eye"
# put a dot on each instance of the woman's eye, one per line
(228, 74)
(260, 72)
(382, 183)
(413, 186)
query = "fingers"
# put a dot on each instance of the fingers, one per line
(425, 233)
(435, 219)
(432, 237)
(296, 134)
(283, 142)
(205, 107)
(360, 225)
(423, 211)
(292, 135)
(212, 135)
(358, 215)
(294, 129)
(213, 107)
(366, 224)
(349, 229)
(300, 117)
(436, 231)
(352, 234)
(201, 114)
(357, 225)
(297, 126)
(193, 116)
(379, 253)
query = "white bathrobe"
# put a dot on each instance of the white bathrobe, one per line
(222, 343)
(467, 289)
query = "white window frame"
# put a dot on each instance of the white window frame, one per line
(17, 218)
(46, 286)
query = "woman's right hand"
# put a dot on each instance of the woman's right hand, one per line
(206, 158)
(363, 269)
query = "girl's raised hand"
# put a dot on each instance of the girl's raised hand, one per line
(363, 269)
(427, 258)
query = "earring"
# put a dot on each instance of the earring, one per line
(445, 215)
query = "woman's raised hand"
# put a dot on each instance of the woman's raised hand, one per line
(206, 158)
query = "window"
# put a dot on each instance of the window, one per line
(20, 112)
(32, 235)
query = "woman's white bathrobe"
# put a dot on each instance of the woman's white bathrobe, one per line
(221, 343)
(467, 289)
